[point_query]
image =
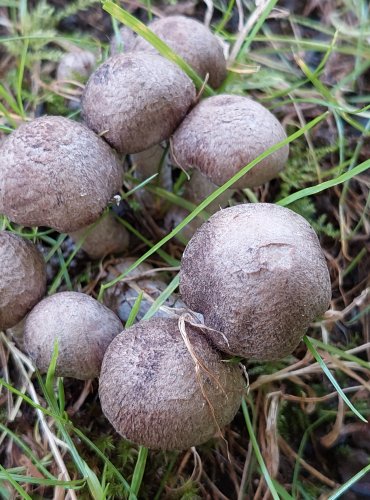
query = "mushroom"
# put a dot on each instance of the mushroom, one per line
(82, 327)
(258, 275)
(76, 65)
(136, 100)
(222, 134)
(56, 172)
(194, 42)
(22, 278)
(103, 238)
(164, 391)
(123, 42)
(122, 296)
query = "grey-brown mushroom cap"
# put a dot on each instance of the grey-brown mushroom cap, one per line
(83, 328)
(136, 100)
(258, 275)
(192, 41)
(56, 172)
(223, 134)
(22, 278)
(76, 65)
(150, 392)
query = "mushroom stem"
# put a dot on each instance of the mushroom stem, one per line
(102, 238)
(197, 189)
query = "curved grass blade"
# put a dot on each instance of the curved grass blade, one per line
(129, 20)
(23, 493)
(328, 373)
(349, 483)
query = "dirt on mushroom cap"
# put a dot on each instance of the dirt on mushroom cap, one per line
(194, 42)
(137, 100)
(83, 328)
(150, 391)
(258, 275)
(22, 278)
(56, 172)
(224, 133)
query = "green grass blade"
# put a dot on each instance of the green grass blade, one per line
(328, 373)
(325, 185)
(49, 383)
(167, 292)
(23, 493)
(134, 311)
(129, 20)
(258, 453)
(138, 472)
(349, 483)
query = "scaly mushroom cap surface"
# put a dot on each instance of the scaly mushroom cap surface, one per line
(22, 278)
(192, 41)
(258, 275)
(56, 172)
(150, 391)
(83, 328)
(222, 134)
(136, 100)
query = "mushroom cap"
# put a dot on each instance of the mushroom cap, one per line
(222, 134)
(56, 172)
(152, 394)
(192, 41)
(125, 42)
(258, 275)
(106, 237)
(22, 278)
(83, 328)
(136, 100)
(76, 65)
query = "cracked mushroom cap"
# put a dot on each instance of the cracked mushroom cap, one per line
(22, 278)
(152, 394)
(56, 172)
(222, 134)
(258, 275)
(192, 41)
(83, 328)
(136, 100)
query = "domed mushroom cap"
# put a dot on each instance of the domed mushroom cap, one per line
(150, 391)
(222, 134)
(55, 172)
(136, 100)
(194, 42)
(83, 328)
(258, 275)
(22, 278)
(76, 65)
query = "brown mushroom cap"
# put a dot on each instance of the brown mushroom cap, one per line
(22, 278)
(258, 275)
(55, 172)
(222, 134)
(83, 328)
(76, 65)
(192, 41)
(136, 100)
(151, 393)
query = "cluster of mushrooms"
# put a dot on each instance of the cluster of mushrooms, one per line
(252, 277)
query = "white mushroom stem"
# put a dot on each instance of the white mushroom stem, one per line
(197, 189)
(102, 238)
